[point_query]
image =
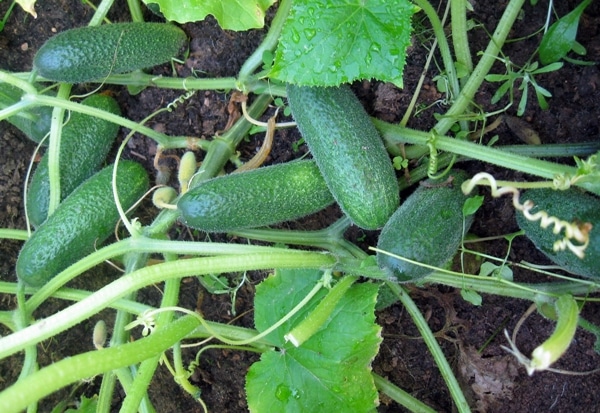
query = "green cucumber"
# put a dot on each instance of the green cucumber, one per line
(34, 122)
(426, 228)
(94, 52)
(84, 145)
(349, 152)
(261, 197)
(570, 206)
(80, 224)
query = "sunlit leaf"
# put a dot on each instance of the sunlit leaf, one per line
(331, 42)
(231, 14)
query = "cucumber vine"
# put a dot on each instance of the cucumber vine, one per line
(313, 294)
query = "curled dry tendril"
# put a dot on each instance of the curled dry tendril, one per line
(574, 231)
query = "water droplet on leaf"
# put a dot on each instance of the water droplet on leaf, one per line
(295, 36)
(310, 33)
(283, 393)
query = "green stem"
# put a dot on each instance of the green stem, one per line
(315, 320)
(138, 391)
(155, 274)
(400, 396)
(45, 100)
(465, 98)
(101, 12)
(23, 84)
(119, 336)
(58, 116)
(141, 79)
(330, 238)
(395, 134)
(434, 347)
(135, 10)
(268, 44)
(554, 150)
(458, 13)
(498, 286)
(145, 245)
(445, 52)
(16, 234)
(72, 369)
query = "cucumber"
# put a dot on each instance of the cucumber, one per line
(257, 198)
(94, 52)
(80, 224)
(34, 122)
(571, 205)
(427, 228)
(84, 145)
(349, 152)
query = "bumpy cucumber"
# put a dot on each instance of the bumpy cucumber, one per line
(80, 224)
(427, 228)
(349, 152)
(85, 142)
(34, 122)
(89, 53)
(257, 198)
(571, 206)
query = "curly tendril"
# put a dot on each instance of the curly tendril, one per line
(574, 231)
(180, 100)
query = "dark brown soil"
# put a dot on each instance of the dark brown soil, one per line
(493, 381)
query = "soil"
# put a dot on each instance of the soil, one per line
(492, 379)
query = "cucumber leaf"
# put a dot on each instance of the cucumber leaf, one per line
(28, 6)
(235, 15)
(560, 37)
(331, 371)
(331, 42)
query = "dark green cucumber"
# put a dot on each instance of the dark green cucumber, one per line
(90, 53)
(571, 206)
(34, 122)
(427, 228)
(80, 224)
(257, 198)
(349, 152)
(85, 142)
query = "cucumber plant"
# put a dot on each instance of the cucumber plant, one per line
(299, 51)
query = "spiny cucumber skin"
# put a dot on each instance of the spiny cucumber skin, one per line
(94, 52)
(85, 143)
(261, 197)
(80, 224)
(570, 205)
(349, 152)
(426, 228)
